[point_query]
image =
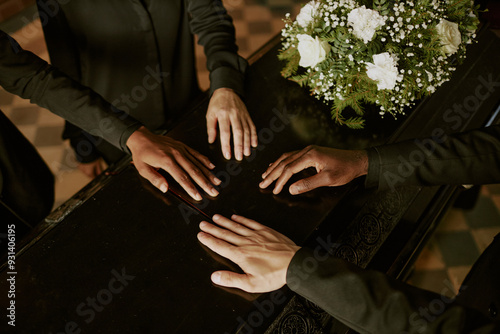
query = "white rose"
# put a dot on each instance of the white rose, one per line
(307, 13)
(364, 22)
(384, 71)
(450, 36)
(312, 50)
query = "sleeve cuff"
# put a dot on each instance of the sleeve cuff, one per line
(227, 77)
(373, 176)
(125, 136)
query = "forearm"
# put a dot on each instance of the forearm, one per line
(24, 74)
(466, 158)
(371, 302)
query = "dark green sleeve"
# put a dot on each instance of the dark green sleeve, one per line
(371, 302)
(471, 157)
(215, 30)
(24, 74)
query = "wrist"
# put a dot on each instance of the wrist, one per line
(362, 162)
(137, 137)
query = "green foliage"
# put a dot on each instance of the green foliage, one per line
(408, 36)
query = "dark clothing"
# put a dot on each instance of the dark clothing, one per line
(139, 55)
(24, 74)
(26, 183)
(466, 158)
(371, 302)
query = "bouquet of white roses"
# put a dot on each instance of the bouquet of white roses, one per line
(351, 52)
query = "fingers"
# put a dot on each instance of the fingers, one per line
(283, 169)
(152, 176)
(222, 234)
(254, 141)
(250, 138)
(238, 134)
(211, 128)
(219, 246)
(239, 225)
(232, 280)
(310, 183)
(225, 137)
(200, 158)
(183, 170)
(249, 223)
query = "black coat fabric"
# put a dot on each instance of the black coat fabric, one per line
(26, 75)
(471, 157)
(26, 183)
(139, 55)
(369, 301)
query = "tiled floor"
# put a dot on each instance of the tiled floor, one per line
(457, 243)
(443, 264)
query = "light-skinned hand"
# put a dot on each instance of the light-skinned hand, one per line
(261, 252)
(151, 152)
(228, 110)
(334, 167)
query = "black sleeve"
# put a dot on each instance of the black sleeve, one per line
(215, 30)
(24, 74)
(371, 302)
(471, 157)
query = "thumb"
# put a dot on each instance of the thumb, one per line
(231, 280)
(310, 183)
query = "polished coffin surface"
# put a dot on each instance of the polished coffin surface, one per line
(127, 259)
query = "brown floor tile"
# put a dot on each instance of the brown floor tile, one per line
(457, 275)
(430, 258)
(48, 136)
(5, 98)
(484, 236)
(454, 220)
(25, 115)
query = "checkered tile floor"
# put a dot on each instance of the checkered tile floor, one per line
(457, 243)
(443, 264)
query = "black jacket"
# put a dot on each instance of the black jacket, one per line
(371, 302)
(139, 55)
(26, 183)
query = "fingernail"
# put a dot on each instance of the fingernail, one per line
(294, 190)
(264, 175)
(216, 277)
(198, 197)
(163, 188)
(211, 165)
(261, 185)
(239, 156)
(216, 217)
(214, 192)
(227, 155)
(217, 181)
